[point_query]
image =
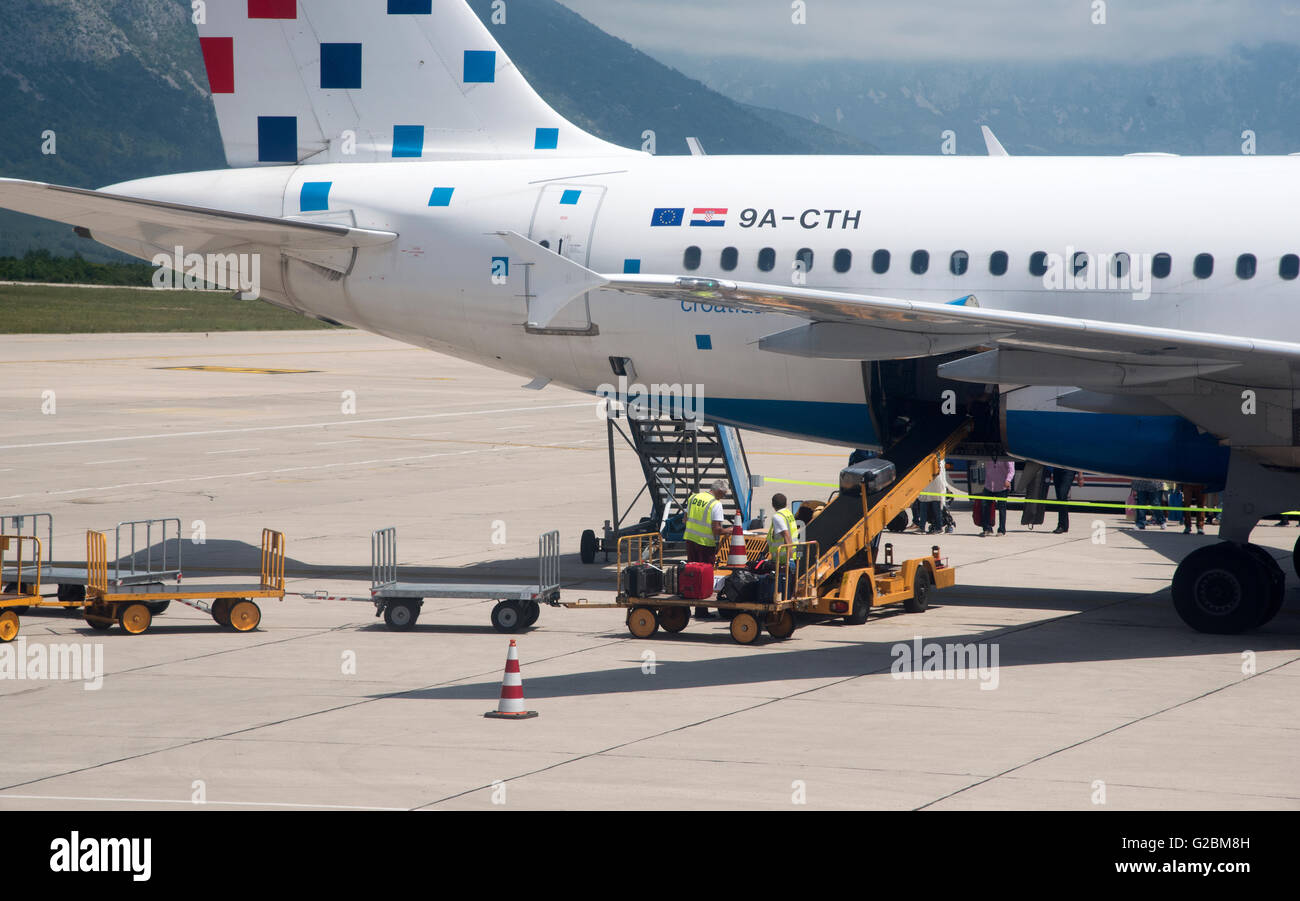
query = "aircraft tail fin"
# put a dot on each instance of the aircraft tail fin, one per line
(323, 81)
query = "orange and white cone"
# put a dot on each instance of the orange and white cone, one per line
(511, 705)
(738, 559)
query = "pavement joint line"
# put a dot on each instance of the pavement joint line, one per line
(1089, 740)
(289, 426)
(765, 703)
(200, 356)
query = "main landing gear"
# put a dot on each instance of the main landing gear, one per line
(1228, 588)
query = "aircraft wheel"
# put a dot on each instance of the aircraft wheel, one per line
(1276, 582)
(1295, 558)
(1222, 589)
(921, 586)
(506, 616)
(781, 625)
(745, 628)
(674, 619)
(400, 616)
(642, 622)
(135, 618)
(587, 547)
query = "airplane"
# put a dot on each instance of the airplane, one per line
(397, 174)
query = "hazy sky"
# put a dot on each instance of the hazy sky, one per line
(943, 29)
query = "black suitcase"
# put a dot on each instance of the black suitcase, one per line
(741, 587)
(765, 591)
(641, 580)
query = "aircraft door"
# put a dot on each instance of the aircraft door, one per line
(564, 222)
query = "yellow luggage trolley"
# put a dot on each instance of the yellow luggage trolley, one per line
(233, 606)
(20, 555)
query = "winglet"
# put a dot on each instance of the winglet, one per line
(992, 143)
(555, 281)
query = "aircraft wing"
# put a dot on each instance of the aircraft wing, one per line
(1020, 348)
(166, 225)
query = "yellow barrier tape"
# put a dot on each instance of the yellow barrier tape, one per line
(1026, 500)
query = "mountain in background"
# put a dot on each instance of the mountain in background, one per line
(1188, 105)
(122, 85)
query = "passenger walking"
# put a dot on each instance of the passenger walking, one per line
(1193, 496)
(998, 477)
(1148, 495)
(1062, 479)
(930, 517)
(705, 525)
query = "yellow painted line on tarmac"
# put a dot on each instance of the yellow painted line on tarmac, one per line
(241, 370)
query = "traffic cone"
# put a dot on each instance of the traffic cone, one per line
(738, 558)
(511, 705)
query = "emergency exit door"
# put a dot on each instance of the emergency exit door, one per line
(564, 222)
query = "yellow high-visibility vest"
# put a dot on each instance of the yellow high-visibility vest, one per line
(774, 540)
(699, 519)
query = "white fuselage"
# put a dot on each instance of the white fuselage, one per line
(433, 287)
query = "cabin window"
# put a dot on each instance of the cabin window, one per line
(1289, 267)
(1246, 266)
(1161, 265)
(880, 262)
(767, 259)
(921, 261)
(998, 262)
(1079, 264)
(959, 262)
(730, 256)
(1203, 265)
(843, 260)
(1120, 264)
(1038, 263)
(805, 256)
(691, 259)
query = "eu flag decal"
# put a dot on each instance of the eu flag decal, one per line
(668, 216)
(708, 216)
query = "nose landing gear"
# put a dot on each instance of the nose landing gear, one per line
(1228, 588)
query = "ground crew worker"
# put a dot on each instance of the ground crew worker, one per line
(784, 530)
(706, 523)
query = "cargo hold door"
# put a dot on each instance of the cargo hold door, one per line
(564, 222)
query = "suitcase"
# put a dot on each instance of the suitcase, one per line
(765, 592)
(696, 581)
(741, 587)
(673, 577)
(642, 580)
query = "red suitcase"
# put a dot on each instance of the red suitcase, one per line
(696, 581)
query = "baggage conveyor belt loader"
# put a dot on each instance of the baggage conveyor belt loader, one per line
(835, 571)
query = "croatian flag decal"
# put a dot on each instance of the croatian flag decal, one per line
(709, 216)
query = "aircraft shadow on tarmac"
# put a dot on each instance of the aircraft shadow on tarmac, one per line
(1111, 626)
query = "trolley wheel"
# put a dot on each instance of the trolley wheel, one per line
(157, 608)
(781, 625)
(9, 625)
(245, 615)
(400, 616)
(642, 622)
(507, 617)
(920, 598)
(135, 618)
(532, 611)
(221, 611)
(588, 546)
(745, 628)
(861, 603)
(72, 594)
(674, 619)
(98, 618)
